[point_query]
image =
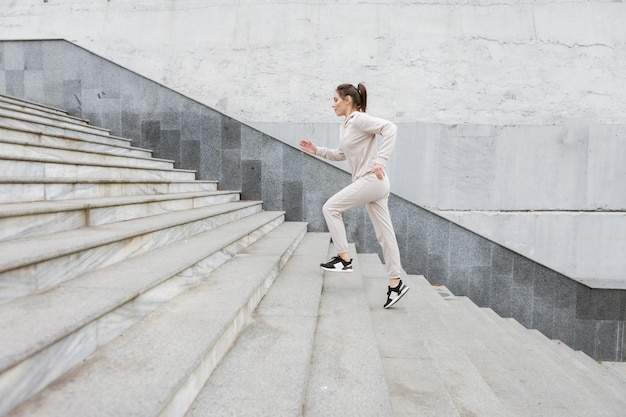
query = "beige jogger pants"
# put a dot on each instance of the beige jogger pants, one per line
(374, 194)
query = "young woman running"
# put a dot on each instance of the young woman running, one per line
(370, 184)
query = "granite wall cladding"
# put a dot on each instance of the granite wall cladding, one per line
(63, 75)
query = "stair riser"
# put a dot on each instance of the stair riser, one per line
(36, 372)
(38, 224)
(30, 133)
(39, 153)
(16, 192)
(36, 139)
(59, 131)
(46, 114)
(34, 169)
(53, 121)
(46, 274)
(30, 105)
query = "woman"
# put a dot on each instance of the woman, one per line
(370, 184)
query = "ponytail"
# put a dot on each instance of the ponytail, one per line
(358, 95)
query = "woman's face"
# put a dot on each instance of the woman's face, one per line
(342, 106)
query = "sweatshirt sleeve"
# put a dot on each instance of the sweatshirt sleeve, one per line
(387, 130)
(331, 154)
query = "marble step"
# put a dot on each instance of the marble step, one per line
(580, 369)
(32, 105)
(52, 121)
(35, 264)
(20, 220)
(266, 371)
(42, 167)
(470, 393)
(50, 332)
(510, 368)
(41, 112)
(29, 137)
(45, 153)
(158, 366)
(346, 376)
(97, 136)
(415, 385)
(15, 128)
(23, 189)
(528, 373)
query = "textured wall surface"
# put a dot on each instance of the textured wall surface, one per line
(452, 61)
(240, 157)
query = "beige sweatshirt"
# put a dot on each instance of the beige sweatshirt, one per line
(357, 143)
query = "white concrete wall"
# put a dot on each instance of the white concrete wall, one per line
(502, 106)
(471, 61)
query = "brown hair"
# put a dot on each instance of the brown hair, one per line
(358, 95)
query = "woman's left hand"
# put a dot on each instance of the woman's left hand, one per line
(379, 171)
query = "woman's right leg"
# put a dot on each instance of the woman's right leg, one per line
(360, 192)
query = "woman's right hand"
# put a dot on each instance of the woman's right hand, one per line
(308, 146)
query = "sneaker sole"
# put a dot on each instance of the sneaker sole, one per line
(335, 270)
(397, 298)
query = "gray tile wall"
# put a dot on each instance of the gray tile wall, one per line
(63, 75)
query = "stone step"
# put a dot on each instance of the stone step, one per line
(27, 137)
(22, 189)
(86, 134)
(45, 153)
(504, 364)
(21, 220)
(40, 112)
(159, 365)
(36, 106)
(52, 120)
(432, 320)
(41, 167)
(33, 133)
(575, 364)
(527, 374)
(266, 372)
(35, 264)
(346, 377)
(50, 332)
(415, 384)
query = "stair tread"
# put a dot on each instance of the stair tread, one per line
(51, 206)
(415, 384)
(266, 371)
(28, 103)
(104, 164)
(66, 180)
(346, 369)
(100, 139)
(41, 112)
(174, 347)
(53, 121)
(35, 321)
(32, 138)
(26, 251)
(65, 153)
(520, 370)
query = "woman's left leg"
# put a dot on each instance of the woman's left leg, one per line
(378, 212)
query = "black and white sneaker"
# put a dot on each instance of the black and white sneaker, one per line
(394, 294)
(337, 265)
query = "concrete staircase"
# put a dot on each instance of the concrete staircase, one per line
(128, 288)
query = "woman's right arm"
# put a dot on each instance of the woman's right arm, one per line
(332, 154)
